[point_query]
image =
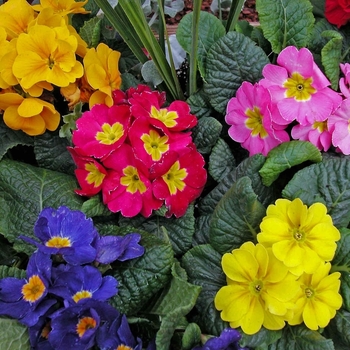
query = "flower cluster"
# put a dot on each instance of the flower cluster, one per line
(285, 277)
(39, 38)
(139, 154)
(64, 298)
(294, 94)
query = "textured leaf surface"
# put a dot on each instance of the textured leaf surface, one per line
(327, 182)
(203, 266)
(210, 30)
(150, 73)
(342, 324)
(286, 22)
(6, 271)
(90, 31)
(10, 138)
(139, 279)
(236, 218)
(285, 156)
(233, 59)
(206, 134)
(24, 191)
(199, 104)
(94, 207)
(13, 335)
(261, 339)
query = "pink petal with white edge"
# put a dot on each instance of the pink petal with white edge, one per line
(274, 75)
(341, 137)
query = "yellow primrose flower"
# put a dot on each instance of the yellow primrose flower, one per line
(102, 73)
(15, 16)
(302, 238)
(47, 54)
(259, 292)
(31, 115)
(318, 299)
(63, 7)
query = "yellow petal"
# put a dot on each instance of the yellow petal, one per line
(316, 314)
(273, 322)
(297, 212)
(253, 320)
(30, 107)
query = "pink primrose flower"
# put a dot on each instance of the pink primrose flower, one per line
(150, 143)
(127, 188)
(299, 87)
(338, 124)
(89, 173)
(102, 129)
(344, 82)
(179, 180)
(255, 121)
(317, 133)
(176, 117)
(121, 97)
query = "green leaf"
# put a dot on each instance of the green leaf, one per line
(318, 7)
(221, 160)
(260, 339)
(24, 191)
(236, 218)
(206, 134)
(10, 138)
(175, 303)
(199, 103)
(300, 337)
(286, 22)
(150, 73)
(141, 278)
(342, 324)
(13, 335)
(191, 337)
(6, 271)
(233, 59)
(90, 31)
(331, 56)
(203, 266)
(285, 156)
(327, 182)
(94, 207)
(210, 30)
(128, 81)
(178, 230)
(69, 121)
(51, 153)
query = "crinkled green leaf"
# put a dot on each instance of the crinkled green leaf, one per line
(286, 22)
(141, 278)
(345, 288)
(191, 336)
(203, 266)
(51, 153)
(237, 217)
(342, 325)
(178, 230)
(95, 207)
(285, 156)
(6, 271)
(300, 337)
(221, 160)
(10, 138)
(331, 56)
(128, 81)
(150, 73)
(199, 103)
(202, 228)
(69, 121)
(318, 7)
(233, 59)
(25, 190)
(260, 339)
(327, 182)
(210, 29)
(206, 134)
(90, 31)
(317, 40)
(13, 335)
(174, 303)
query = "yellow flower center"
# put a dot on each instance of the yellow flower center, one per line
(299, 87)
(254, 122)
(132, 180)
(174, 178)
(94, 176)
(320, 126)
(299, 235)
(46, 330)
(84, 324)
(256, 287)
(155, 145)
(123, 347)
(83, 294)
(309, 292)
(34, 289)
(110, 134)
(58, 242)
(168, 118)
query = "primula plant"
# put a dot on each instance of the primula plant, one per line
(186, 191)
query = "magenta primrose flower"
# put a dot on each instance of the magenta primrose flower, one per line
(338, 124)
(102, 129)
(255, 121)
(299, 87)
(316, 133)
(344, 82)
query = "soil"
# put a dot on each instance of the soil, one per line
(248, 12)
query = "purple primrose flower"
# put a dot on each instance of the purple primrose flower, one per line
(228, 340)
